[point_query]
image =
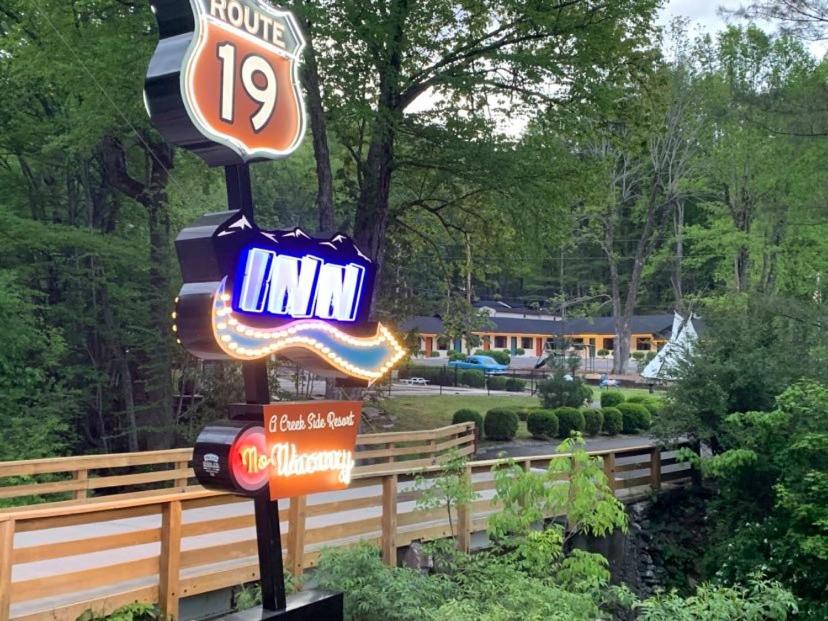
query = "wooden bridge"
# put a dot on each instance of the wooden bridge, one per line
(155, 537)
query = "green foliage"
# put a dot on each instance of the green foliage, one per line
(593, 421)
(758, 601)
(450, 488)
(559, 391)
(520, 351)
(499, 356)
(473, 378)
(569, 420)
(603, 352)
(135, 611)
(515, 384)
(434, 375)
(611, 398)
(457, 356)
(636, 417)
(613, 421)
(542, 424)
(500, 424)
(496, 382)
(467, 415)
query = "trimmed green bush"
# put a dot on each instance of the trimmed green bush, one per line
(593, 419)
(635, 416)
(515, 384)
(611, 398)
(520, 351)
(613, 421)
(637, 399)
(466, 416)
(603, 352)
(435, 354)
(500, 424)
(500, 356)
(522, 413)
(639, 356)
(434, 375)
(542, 424)
(497, 382)
(457, 355)
(569, 420)
(473, 378)
(654, 405)
(559, 391)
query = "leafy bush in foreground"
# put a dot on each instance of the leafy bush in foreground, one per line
(542, 424)
(593, 420)
(500, 424)
(613, 421)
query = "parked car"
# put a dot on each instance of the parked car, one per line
(606, 382)
(487, 364)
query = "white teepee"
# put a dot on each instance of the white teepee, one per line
(682, 340)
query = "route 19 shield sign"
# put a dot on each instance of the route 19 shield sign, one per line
(224, 82)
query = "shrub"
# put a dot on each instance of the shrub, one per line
(603, 352)
(520, 351)
(559, 391)
(465, 416)
(654, 405)
(457, 355)
(434, 375)
(593, 420)
(435, 354)
(500, 424)
(497, 382)
(611, 398)
(515, 384)
(613, 421)
(473, 378)
(501, 357)
(542, 424)
(635, 417)
(639, 356)
(522, 413)
(569, 420)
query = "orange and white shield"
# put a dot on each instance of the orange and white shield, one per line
(240, 80)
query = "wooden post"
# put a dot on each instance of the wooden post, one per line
(389, 520)
(81, 476)
(609, 469)
(464, 520)
(297, 512)
(655, 468)
(391, 447)
(6, 552)
(181, 483)
(170, 561)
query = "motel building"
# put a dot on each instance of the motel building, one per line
(534, 332)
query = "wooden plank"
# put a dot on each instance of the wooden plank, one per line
(389, 520)
(73, 519)
(610, 469)
(676, 475)
(296, 535)
(62, 549)
(413, 436)
(6, 562)
(140, 479)
(464, 520)
(170, 560)
(38, 489)
(642, 465)
(635, 482)
(206, 527)
(655, 468)
(182, 483)
(220, 553)
(81, 475)
(413, 518)
(51, 465)
(60, 584)
(329, 534)
(337, 506)
(203, 583)
(101, 606)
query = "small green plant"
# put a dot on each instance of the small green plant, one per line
(613, 421)
(542, 424)
(499, 356)
(522, 413)
(635, 416)
(603, 352)
(136, 611)
(469, 416)
(497, 382)
(514, 384)
(500, 424)
(457, 356)
(569, 420)
(593, 421)
(473, 378)
(520, 351)
(452, 488)
(611, 398)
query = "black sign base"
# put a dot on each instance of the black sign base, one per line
(303, 606)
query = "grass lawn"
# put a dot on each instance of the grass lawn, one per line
(413, 413)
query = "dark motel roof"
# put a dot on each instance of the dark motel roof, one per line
(641, 324)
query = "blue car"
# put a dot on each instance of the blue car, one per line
(487, 364)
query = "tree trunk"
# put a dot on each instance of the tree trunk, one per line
(318, 124)
(676, 280)
(152, 194)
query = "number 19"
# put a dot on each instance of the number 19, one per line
(250, 66)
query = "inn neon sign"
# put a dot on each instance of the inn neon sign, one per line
(249, 294)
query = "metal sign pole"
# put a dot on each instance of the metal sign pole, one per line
(257, 392)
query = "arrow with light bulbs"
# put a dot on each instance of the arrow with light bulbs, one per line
(367, 358)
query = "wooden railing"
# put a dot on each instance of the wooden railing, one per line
(58, 561)
(71, 480)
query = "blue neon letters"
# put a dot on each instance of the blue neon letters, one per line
(300, 287)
